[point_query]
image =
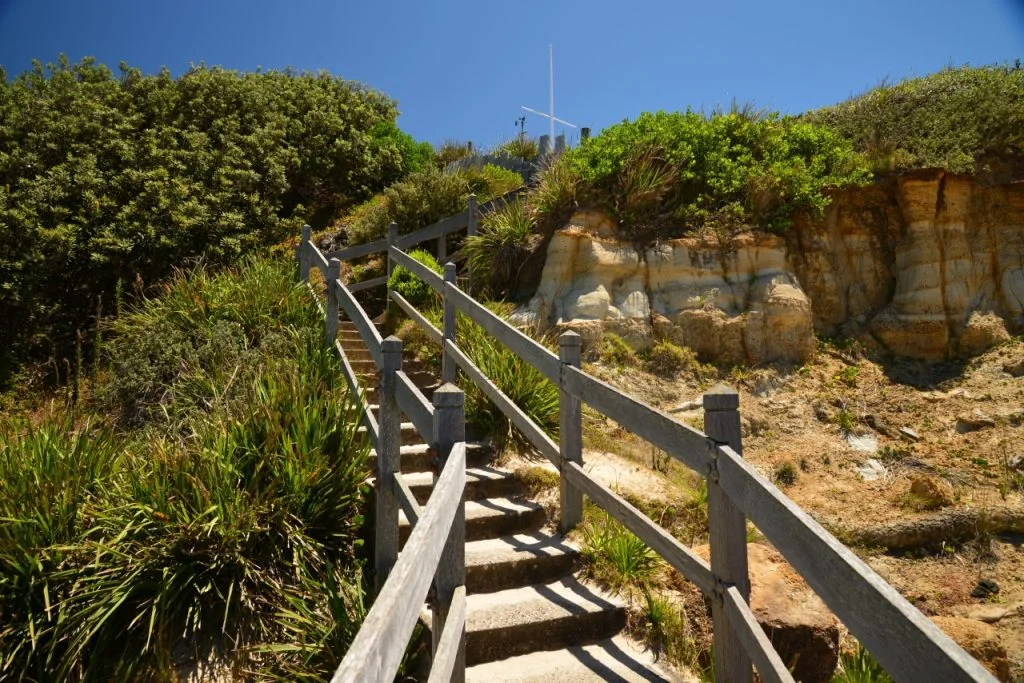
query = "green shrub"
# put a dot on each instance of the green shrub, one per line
(962, 119)
(409, 285)
(519, 147)
(616, 556)
(497, 251)
(554, 193)
(786, 473)
(121, 177)
(668, 360)
(416, 202)
(668, 173)
(492, 181)
(616, 351)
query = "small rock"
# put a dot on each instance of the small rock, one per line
(973, 421)
(871, 470)
(909, 434)
(865, 443)
(821, 412)
(1015, 368)
(877, 424)
(980, 640)
(934, 492)
(988, 614)
(1016, 463)
(985, 588)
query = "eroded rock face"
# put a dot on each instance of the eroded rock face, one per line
(931, 265)
(735, 302)
(928, 266)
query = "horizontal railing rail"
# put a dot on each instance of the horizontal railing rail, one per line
(895, 632)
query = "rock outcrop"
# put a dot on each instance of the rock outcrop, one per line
(928, 265)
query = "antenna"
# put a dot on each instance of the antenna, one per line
(521, 125)
(551, 115)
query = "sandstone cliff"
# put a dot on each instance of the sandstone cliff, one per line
(928, 266)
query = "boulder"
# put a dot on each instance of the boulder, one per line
(973, 421)
(802, 629)
(980, 640)
(933, 492)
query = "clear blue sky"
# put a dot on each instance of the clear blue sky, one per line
(462, 69)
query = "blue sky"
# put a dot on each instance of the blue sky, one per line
(462, 69)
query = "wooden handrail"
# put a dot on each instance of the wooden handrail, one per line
(435, 281)
(432, 232)
(365, 249)
(414, 404)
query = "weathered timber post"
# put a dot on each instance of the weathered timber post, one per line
(450, 429)
(559, 145)
(392, 242)
(302, 252)
(331, 308)
(447, 362)
(389, 459)
(570, 429)
(728, 538)
(544, 145)
(470, 232)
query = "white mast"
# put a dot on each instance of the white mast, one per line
(551, 80)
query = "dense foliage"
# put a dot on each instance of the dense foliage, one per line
(961, 119)
(687, 170)
(410, 286)
(223, 527)
(108, 178)
(425, 198)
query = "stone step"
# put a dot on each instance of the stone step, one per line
(490, 518)
(547, 616)
(481, 482)
(613, 659)
(409, 434)
(497, 564)
(416, 457)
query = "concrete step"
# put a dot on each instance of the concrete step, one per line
(497, 564)
(613, 659)
(490, 518)
(548, 616)
(481, 482)
(416, 458)
(409, 434)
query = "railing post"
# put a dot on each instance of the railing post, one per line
(728, 538)
(450, 429)
(570, 440)
(470, 232)
(303, 253)
(447, 362)
(389, 423)
(331, 307)
(442, 248)
(392, 242)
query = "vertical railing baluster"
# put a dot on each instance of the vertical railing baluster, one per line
(331, 308)
(470, 232)
(570, 439)
(450, 429)
(389, 460)
(449, 320)
(728, 538)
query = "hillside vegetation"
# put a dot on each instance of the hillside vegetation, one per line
(213, 516)
(108, 181)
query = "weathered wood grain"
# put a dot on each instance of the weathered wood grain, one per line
(414, 404)
(410, 506)
(389, 461)
(302, 253)
(349, 253)
(356, 314)
(432, 232)
(368, 284)
(377, 649)
(662, 542)
(399, 257)
(570, 436)
(755, 641)
(533, 353)
(331, 306)
(681, 441)
(417, 317)
(442, 668)
(727, 535)
(905, 642)
(534, 434)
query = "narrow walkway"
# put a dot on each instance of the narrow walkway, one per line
(529, 618)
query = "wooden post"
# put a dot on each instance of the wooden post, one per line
(470, 232)
(447, 362)
(728, 539)
(389, 459)
(392, 242)
(442, 248)
(570, 441)
(303, 253)
(331, 308)
(449, 429)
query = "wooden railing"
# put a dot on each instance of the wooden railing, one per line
(907, 644)
(432, 563)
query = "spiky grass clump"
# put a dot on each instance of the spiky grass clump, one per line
(497, 251)
(197, 539)
(616, 556)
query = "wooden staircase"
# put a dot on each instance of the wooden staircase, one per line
(529, 617)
